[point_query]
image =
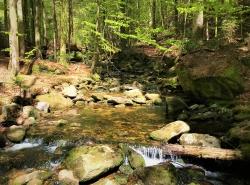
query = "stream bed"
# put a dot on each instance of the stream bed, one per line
(55, 134)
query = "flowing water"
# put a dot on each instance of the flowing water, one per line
(55, 134)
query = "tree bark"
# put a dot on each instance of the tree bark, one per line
(203, 152)
(153, 14)
(198, 25)
(6, 18)
(55, 34)
(13, 38)
(37, 27)
(21, 28)
(71, 24)
(63, 32)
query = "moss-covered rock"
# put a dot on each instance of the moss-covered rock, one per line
(211, 75)
(240, 132)
(175, 105)
(155, 175)
(135, 160)
(55, 100)
(88, 162)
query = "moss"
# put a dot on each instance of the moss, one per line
(135, 159)
(245, 149)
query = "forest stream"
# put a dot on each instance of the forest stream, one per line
(48, 142)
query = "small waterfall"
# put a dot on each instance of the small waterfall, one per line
(153, 155)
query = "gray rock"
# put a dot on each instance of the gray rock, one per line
(204, 140)
(135, 93)
(16, 133)
(170, 130)
(98, 96)
(154, 98)
(43, 106)
(119, 100)
(88, 162)
(204, 116)
(70, 91)
(141, 100)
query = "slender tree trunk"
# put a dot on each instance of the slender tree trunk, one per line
(123, 42)
(216, 27)
(38, 28)
(55, 34)
(176, 21)
(21, 28)
(63, 31)
(162, 11)
(13, 38)
(207, 29)
(45, 36)
(71, 24)
(153, 14)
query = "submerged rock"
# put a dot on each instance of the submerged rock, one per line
(55, 100)
(16, 133)
(89, 162)
(170, 130)
(135, 160)
(164, 174)
(70, 91)
(204, 140)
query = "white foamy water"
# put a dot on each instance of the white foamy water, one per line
(25, 144)
(154, 156)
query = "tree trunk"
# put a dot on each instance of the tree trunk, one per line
(63, 32)
(21, 28)
(13, 38)
(45, 39)
(55, 34)
(202, 152)
(71, 24)
(37, 28)
(153, 14)
(198, 25)
(6, 18)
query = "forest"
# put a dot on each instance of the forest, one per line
(124, 92)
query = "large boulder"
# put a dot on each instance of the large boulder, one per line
(204, 140)
(16, 133)
(154, 98)
(55, 100)
(106, 181)
(66, 177)
(89, 162)
(155, 175)
(211, 75)
(170, 130)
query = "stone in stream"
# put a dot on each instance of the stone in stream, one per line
(70, 91)
(16, 133)
(135, 159)
(106, 181)
(165, 174)
(140, 100)
(55, 100)
(170, 130)
(154, 98)
(119, 100)
(134, 93)
(89, 162)
(195, 139)
(29, 122)
(29, 177)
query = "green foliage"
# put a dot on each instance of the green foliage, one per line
(229, 28)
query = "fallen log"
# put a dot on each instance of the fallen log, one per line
(202, 152)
